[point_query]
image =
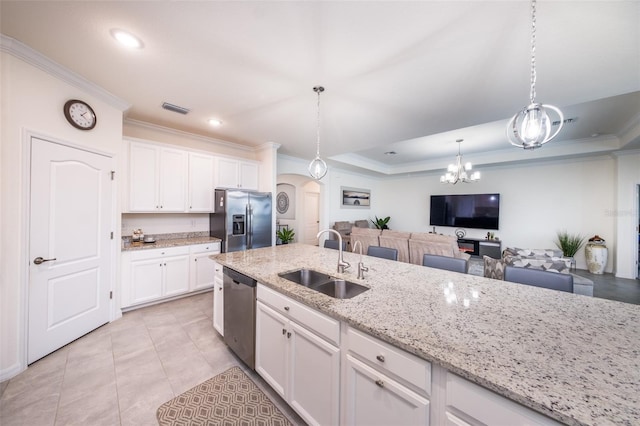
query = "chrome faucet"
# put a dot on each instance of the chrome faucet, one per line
(342, 264)
(361, 268)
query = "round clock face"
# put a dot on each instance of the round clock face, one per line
(80, 114)
(282, 204)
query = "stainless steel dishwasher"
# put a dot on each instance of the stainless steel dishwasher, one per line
(240, 315)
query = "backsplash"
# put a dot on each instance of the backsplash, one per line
(165, 223)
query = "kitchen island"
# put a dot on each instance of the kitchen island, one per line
(573, 358)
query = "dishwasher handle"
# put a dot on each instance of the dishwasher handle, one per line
(238, 277)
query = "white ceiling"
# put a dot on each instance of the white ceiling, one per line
(410, 77)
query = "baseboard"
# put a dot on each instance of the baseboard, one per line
(11, 372)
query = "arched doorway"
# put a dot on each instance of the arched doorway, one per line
(299, 206)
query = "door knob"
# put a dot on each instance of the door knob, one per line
(38, 260)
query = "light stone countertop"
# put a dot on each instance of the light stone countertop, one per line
(169, 240)
(571, 357)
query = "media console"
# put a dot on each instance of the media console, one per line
(481, 247)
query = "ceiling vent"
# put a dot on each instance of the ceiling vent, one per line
(566, 121)
(175, 108)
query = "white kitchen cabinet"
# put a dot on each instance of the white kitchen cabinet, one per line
(201, 182)
(232, 173)
(297, 359)
(372, 398)
(383, 384)
(468, 404)
(202, 267)
(218, 300)
(150, 275)
(157, 178)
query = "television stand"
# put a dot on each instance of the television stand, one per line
(478, 247)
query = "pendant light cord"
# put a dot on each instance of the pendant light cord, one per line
(318, 90)
(532, 94)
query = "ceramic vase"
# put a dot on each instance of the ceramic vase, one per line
(596, 256)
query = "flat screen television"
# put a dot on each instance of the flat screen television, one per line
(481, 211)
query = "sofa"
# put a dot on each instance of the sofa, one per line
(544, 259)
(421, 243)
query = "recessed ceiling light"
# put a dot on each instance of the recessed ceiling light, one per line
(127, 39)
(215, 122)
(390, 153)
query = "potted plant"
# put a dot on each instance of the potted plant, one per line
(569, 243)
(381, 223)
(285, 235)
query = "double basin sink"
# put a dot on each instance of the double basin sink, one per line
(323, 283)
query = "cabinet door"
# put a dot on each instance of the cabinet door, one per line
(227, 173)
(176, 275)
(371, 398)
(143, 178)
(202, 271)
(272, 347)
(201, 182)
(146, 280)
(218, 300)
(314, 385)
(173, 180)
(248, 176)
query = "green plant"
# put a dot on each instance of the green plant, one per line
(381, 223)
(569, 243)
(285, 235)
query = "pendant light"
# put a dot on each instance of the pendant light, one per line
(457, 172)
(531, 127)
(317, 167)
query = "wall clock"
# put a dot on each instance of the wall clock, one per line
(282, 204)
(80, 115)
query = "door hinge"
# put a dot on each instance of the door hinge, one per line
(113, 174)
(112, 235)
(111, 295)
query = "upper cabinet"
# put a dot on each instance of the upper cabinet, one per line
(163, 179)
(201, 182)
(232, 173)
(157, 179)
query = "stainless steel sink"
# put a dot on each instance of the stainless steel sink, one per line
(305, 277)
(325, 284)
(340, 289)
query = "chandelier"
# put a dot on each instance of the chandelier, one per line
(458, 172)
(531, 127)
(317, 167)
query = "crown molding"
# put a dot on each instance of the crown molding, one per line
(182, 133)
(38, 60)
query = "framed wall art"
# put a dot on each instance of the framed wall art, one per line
(355, 198)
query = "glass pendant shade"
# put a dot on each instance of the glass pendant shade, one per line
(531, 127)
(317, 168)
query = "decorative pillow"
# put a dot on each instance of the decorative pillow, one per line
(493, 268)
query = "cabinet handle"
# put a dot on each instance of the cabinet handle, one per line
(380, 383)
(286, 308)
(380, 358)
(195, 260)
(165, 264)
(288, 335)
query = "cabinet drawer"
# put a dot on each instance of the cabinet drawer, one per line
(320, 324)
(161, 252)
(385, 357)
(205, 248)
(476, 404)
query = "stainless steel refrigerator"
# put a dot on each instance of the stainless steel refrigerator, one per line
(241, 219)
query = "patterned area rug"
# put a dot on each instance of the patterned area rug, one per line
(230, 398)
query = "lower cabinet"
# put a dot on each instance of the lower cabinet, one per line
(202, 267)
(150, 275)
(296, 359)
(218, 299)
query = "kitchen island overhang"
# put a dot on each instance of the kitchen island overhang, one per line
(570, 357)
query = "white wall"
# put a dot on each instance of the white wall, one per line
(626, 214)
(32, 102)
(537, 200)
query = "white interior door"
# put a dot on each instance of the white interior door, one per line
(70, 262)
(311, 217)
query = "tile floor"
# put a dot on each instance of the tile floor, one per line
(122, 372)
